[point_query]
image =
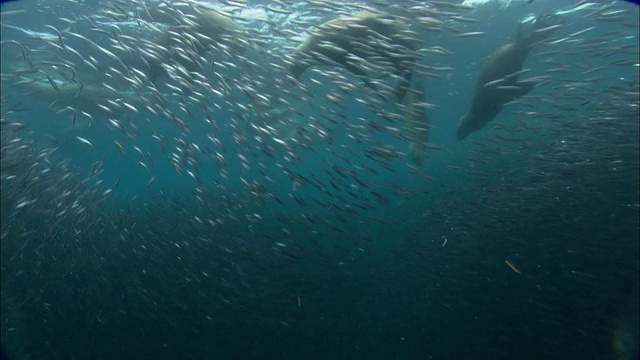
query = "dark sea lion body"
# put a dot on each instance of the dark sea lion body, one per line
(488, 100)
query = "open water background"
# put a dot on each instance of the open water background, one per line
(220, 270)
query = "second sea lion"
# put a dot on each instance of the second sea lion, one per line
(498, 81)
(192, 30)
(355, 42)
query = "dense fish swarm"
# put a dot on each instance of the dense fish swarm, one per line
(223, 180)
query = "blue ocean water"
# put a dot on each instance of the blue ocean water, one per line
(203, 238)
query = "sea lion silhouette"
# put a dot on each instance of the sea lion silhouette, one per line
(506, 63)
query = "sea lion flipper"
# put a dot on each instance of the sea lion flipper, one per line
(510, 93)
(525, 88)
(402, 84)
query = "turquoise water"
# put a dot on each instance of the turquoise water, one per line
(519, 242)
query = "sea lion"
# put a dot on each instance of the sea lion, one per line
(498, 81)
(191, 30)
(359, 43)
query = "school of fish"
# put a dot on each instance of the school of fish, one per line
(168, 125)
